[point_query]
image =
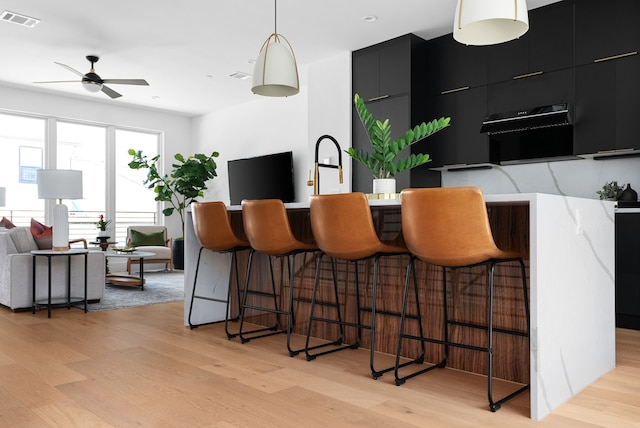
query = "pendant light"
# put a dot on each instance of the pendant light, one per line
(275, 73)
(490, 22)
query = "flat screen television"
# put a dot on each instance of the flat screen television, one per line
(262, 177)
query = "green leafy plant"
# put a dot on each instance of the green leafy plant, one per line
(610, 190)
(186, 182)
(382, 160)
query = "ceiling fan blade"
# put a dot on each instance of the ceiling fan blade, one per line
(113, 94)
(70, 69)
(127, 81)
(61, 81)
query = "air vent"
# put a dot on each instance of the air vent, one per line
(16, 18)
(240, 75)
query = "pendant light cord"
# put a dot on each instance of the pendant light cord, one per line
(275, 16)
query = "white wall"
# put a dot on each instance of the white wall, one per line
(176, 129)
(580, 178)
(271, 125)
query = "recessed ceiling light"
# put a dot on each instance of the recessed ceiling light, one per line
(369, 18)
(16, 18)
(251, 61)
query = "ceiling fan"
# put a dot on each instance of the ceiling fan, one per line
(94, 83)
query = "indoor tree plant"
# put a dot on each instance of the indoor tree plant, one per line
(382, 161)
(185, 183)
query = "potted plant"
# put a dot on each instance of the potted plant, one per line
(185, 183)
(383, 161)
(610, 191)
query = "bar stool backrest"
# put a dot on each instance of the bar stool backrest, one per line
(212, 227)
(267, 227)
(448, 226)
(342, 225)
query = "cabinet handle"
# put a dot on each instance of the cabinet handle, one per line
(382, 97)
(609, 58)
(448, 91)
(523, 76)
(602, 152)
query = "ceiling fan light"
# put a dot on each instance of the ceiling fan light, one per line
(275, 73)
(92, 86)
(489, 23)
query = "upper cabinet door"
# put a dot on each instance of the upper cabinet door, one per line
(452, 66)
(606, 29)
(546, 47)
(383, 70)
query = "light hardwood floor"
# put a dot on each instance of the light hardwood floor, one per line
(141, 367)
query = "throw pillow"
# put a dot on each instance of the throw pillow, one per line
(139, 239)
(43, 235)
(6, 223)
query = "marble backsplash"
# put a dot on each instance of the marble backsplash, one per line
(580, 177)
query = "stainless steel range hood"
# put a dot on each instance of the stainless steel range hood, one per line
(523, 120)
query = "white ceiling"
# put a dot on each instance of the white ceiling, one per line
(186, 50)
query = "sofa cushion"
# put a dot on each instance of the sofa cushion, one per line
(139, 239)
(42, 234)
(6, 223)
(23, 239)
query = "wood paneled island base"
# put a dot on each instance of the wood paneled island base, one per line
(518, 224)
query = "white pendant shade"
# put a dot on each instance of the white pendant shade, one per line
(275, 73)
(490, 22)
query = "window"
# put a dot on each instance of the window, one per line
(110, 187)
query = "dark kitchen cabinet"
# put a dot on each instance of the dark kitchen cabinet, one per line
(383, 70)
(607, 106)
(546, 47)
(390, 77)
(462, 142)
(452, 65)
(627, 270)
(606, 29)
(545, 89)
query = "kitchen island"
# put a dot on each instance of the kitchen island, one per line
(568, 244)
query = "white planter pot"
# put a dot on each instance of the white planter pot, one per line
(384, 185)
(103, 233)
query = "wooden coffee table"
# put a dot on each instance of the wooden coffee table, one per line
(125, 279)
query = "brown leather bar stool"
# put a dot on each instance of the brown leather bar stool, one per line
(449, 227)
(266, 225)
(343, 227)
(213, 230)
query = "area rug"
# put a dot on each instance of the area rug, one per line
(159, 287)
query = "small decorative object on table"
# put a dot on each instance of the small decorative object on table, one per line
(610, 191)
(103, 233)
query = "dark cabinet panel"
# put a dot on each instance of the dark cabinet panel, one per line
(607, 106)
(535, 91)
(452, 65)
(462, 142)
(546, 47)
(396, 109)
(627, 270)
(383, 70)
(605, 29)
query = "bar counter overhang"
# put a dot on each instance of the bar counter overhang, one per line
(569, 251)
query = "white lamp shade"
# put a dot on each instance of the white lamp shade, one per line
(275, 73)
(3, 195)
(59, 184)
(490, 22)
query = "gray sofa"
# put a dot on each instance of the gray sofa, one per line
(16, 271)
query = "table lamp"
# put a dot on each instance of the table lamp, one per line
(60, 184)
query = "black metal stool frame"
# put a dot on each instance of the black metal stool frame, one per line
(493, 405)
(358, 324)
(234, 265)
